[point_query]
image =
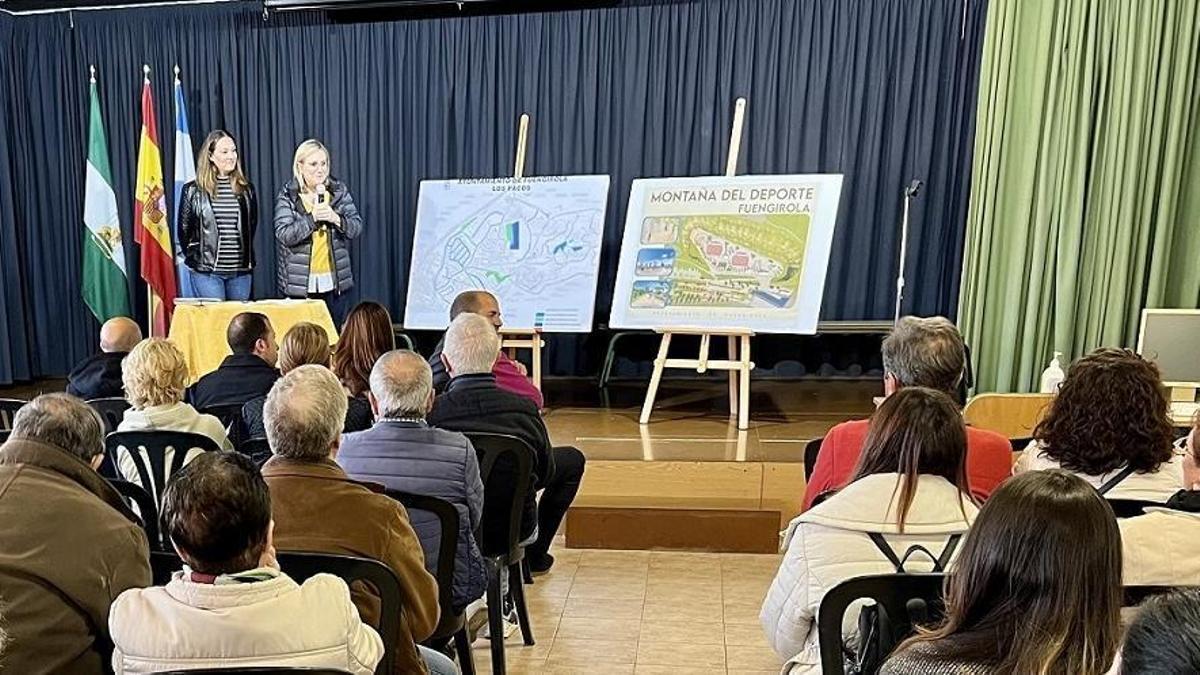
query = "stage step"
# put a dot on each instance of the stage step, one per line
(711, 530)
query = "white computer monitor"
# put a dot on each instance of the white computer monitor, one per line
(1168, 337)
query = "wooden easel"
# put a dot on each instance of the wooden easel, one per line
(738, 364)
(515, 339)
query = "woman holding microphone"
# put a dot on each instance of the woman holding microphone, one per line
(315, 219)
(218, 214)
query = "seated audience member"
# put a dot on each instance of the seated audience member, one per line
(155, 374)
(68, 543)
(99, 376)
(473, 403)
(317, 507)
(910, 487)
(248, 372)
(304, 343)
(404, 453)
(231, 604)
(1110, 425)
(919, 352)
(1164, 639)
(1037, 588)
(367, 334)
(510, 375)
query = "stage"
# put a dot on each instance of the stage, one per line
(689, 479)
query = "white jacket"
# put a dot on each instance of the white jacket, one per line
(277, 622)
(828, 544)
(1156, 486)
(1162, 548)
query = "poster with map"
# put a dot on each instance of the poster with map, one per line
(726, 252)
(533, 242)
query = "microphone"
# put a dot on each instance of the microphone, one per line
(320, 193)
(913, 188)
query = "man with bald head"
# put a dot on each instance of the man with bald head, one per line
(510, 375)
(99, 376)
(402, 452)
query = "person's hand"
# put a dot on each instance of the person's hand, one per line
(521, 369)
(323, 213)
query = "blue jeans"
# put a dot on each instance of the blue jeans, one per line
(221, 285)
(437, 662)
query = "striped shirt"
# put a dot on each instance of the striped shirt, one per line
(227, 209)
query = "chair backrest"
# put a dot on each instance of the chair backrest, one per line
(112, 410)
(893, 594)
(257, 449)
(156, 455)
(811, 450)
(8, 410)
(302, 565)
(444, 560)
(1011, 415)
(1130, 508)
(231, 418)
(147, 509)
(503, 502)
(1136, 595)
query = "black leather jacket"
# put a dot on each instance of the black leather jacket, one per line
(198, 227)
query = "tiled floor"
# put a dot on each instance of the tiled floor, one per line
(645, 612)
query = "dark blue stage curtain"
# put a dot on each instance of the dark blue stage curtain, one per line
(880, 90)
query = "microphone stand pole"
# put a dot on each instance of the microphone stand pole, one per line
(909, 192)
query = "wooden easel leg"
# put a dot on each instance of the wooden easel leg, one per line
(655, 378)
(537, 361)
(744, 389)
(733, 378)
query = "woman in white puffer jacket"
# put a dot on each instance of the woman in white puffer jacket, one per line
(910, 486)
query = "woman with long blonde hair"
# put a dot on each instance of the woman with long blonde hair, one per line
(218, 216)
(315, 219)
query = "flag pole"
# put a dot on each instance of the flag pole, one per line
(149, 288)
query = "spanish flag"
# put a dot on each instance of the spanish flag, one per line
(150, 227)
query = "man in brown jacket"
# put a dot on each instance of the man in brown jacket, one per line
(68, 544)
(317, 507)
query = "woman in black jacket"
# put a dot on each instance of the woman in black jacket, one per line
(218, 214)
(315, 219)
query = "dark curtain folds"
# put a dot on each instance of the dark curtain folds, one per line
(880, 90)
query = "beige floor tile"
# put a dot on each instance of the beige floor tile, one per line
(611, 575)
(684, 560)
(588, 628)
(752, 658)
(700, 576)
(689, 632)
(605, 669)
(732, 671)
(607, 558)
(602, 608)
(695, 609)
(742, 611)
(515, 661)
(594, 653)
(745, 635)
(681, 655)
(544, 604)
(547, 587)
(675, 670)
(612, 591)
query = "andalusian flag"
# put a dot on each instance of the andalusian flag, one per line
(150, 226)
(105, 286)
(185, 172)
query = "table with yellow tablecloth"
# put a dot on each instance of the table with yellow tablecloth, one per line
(198, 329)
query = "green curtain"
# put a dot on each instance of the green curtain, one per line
(1085, 204)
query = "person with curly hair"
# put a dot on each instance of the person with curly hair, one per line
(1110, 424)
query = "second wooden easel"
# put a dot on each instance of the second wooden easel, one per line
(738, 362)
(530, 339)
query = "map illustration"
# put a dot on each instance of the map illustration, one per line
(534, 243)
(744, 252)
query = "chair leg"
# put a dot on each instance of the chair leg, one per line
(495, 609)
(525, 573)
(517, 589)
(462, 647)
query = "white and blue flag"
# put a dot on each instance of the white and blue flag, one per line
(185, 171)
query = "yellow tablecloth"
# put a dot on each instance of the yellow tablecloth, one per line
(199, 330)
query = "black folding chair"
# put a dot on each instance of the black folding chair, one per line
(147, 510)
(231, 418)
(156, 455)
(904, 600)
(8, 410)
(811, 450)
(257, 449)
(302, 565)
(452, 625)
(503, 508)
(112, 410)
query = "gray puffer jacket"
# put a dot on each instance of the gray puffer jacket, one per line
(294, 227)
(416, 458)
